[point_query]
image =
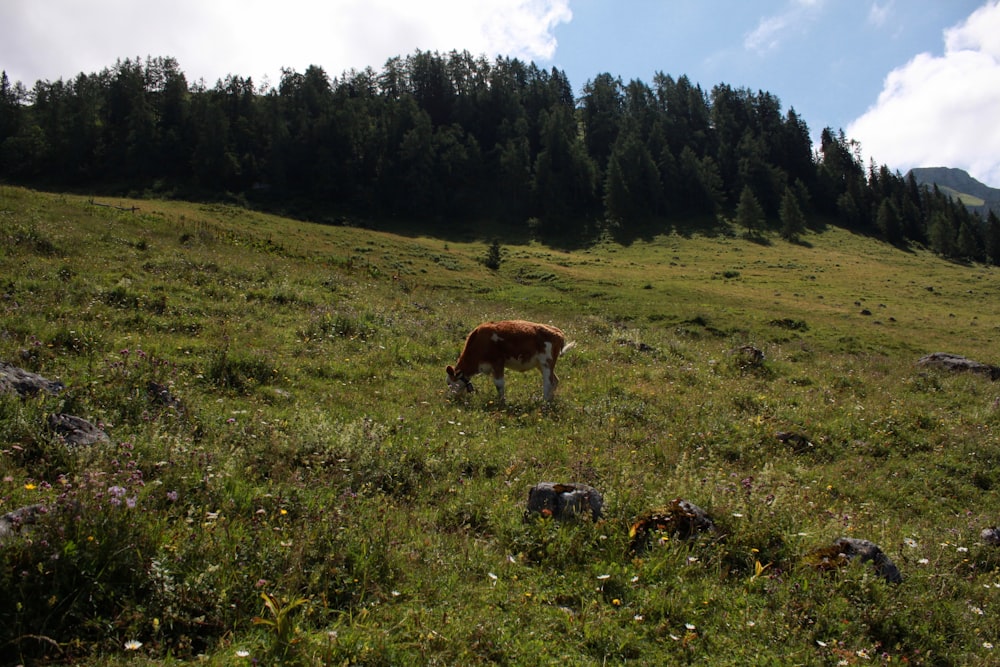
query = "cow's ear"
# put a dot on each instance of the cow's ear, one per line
(451, 372)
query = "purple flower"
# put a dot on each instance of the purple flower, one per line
(172, 496)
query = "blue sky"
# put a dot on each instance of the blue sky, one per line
(916, 82)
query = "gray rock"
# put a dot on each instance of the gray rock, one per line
(990, 536)
(12, 521)
(160, 395)
(76, 431)
(25, 383)
(846, 549)
(680, 519)
(955, 362)
(563, 501)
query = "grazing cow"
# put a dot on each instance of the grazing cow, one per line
(516, 344)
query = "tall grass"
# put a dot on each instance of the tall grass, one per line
(314, 495)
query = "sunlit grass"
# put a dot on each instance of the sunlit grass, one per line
(317, 475)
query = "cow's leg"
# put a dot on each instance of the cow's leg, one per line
(499, 382)
(549, 382)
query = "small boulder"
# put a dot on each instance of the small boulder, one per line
(991, 536)
(76, 431)
(159, 394)
(844, 550)
(564, 501)
(955, 362)
(748, 357)
(25, 383)
(12, 521)
(680, 519)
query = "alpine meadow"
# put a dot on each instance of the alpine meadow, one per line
(227, 435)
(313, 494)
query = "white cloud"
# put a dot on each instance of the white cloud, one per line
(942, 110)
(771, 29)
(61, 38)
(879, 13)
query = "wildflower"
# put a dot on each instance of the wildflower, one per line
(637, 618)
(690, 627)
(172, 496)
(961, 549)
(821, 643)
(242, 653)
(923, 561)
(130, 502)
(977, 610)
(30, 487)
(988, 645)
(602, 577)
(910, 542)
(133, 645)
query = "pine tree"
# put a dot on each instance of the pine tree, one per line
(888, 222)
(793, 222)
(749, 213)
(993, 238)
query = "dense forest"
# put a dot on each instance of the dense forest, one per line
(438, 138)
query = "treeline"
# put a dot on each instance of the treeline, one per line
(440, 137)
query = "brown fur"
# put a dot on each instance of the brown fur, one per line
(516, 344)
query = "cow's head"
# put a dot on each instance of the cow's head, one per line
(457, 381)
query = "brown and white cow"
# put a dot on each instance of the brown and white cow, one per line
(516, 344)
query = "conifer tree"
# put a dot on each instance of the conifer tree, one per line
(793, 222)
(749, 213)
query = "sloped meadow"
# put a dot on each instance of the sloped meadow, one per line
(313, 494)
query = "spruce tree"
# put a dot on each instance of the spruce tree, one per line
(749, 213)
(793, 222)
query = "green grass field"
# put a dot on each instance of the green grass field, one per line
(321, 498)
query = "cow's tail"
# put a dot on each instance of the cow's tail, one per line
(568, 346)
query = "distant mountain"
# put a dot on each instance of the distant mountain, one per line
(956, 182)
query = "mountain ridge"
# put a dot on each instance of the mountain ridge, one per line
(957, 183)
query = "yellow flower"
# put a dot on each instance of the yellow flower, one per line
(30, 487)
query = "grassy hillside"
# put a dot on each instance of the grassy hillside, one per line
(320, 498)
(965, 198)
